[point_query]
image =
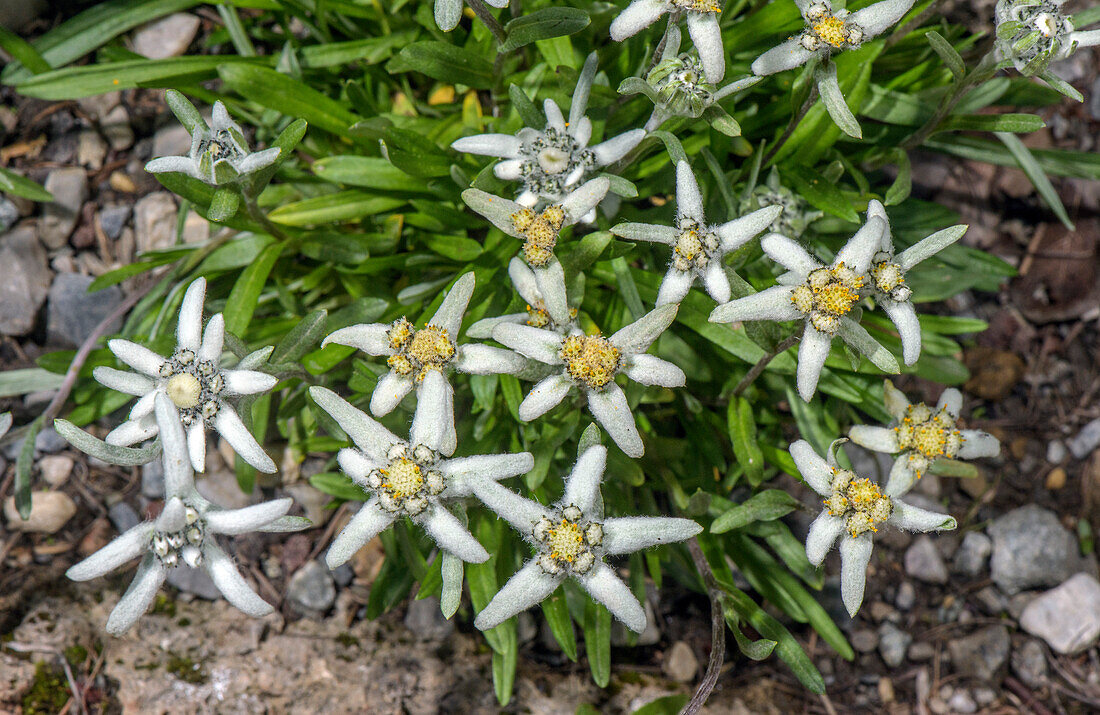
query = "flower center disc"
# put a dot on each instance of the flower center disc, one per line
(859, 501)
(403, 478)
(566, 541)
(184, 390)
(553, 160)
(932, 434)
(540, 232)
(429, 348)
(590, 359)
(827, 294)
(831, 29)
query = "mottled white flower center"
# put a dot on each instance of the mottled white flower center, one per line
(1047, 24)
(186, 543)
(553, 160)
(193, 385)
(184, 390)
(858, 501)
(540, 233)
(418, 351)
(927, 435)
(1040, 38)
(567, 542)
(550, 163)
(681, 86)
(825, 29)
(827, 295)
(409, 478)
(591, 360)
(700, 6)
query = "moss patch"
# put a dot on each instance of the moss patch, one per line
(186, 670)
(48, 694)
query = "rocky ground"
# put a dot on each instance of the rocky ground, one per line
(1003, 616)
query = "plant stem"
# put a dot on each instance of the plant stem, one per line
(758, 368)
(482, 11)
(717, 632)
(793, 124)
(257, 214)
(959, 90)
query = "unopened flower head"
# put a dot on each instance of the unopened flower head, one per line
(219, 151)
(796, 214)
(854, 509)
(572, 539)
(553, 160)
(702, 24)
(537, 312)
(409, 478)
(199, 389)
(183, 535)
(698, 248)
(919, 435)
(589, 364)
(1035, 33)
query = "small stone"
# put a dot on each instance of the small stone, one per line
(1066, 617)
(924, 562)
(56, 469)
(152, 479)
(91, 149)
(26, 281)
(155, 221)
(1056, 451)
(69, 187)
(1088, 439)
(1016, 604)
(196, 229)
(311, 591)
(167, 37)
(49, 512)
(343, 575)
(991, 601)
(426, 621)
(48, 441)
(921, 651)
(73, 313)
(1029, 664)
(99, 535)
(99, 105)
(1031, 549)
(313, 501)
(973, 554)
(112, 219)
(172, 140)
(196, 582)
(9, 214)
(907, 596)
(864, 640)
(881, 611)
(961, 702)
(117, 130)
(680, 663)
(1056, 479)
(981, 655)
(123, 516)
(120, 181)
(892, 644)
(975, 487)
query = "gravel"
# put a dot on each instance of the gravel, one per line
(311, 591)
(924, 562)
(981, 655)
(1066, 617)
(69, 187)
(1031, 549)
(26, 281)
(73, 313)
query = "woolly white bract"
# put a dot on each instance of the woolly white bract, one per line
(822, 296)
(553, 160)
(183, 535)
(572, 537)
(698, 248)
(422, 358)
(219, 152)
(536, 314)
(920, 435)
(590, 363)
(193, 378)
(855, 508)
(408, 478)
(702, 24)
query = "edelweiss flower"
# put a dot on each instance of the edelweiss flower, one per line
(183, 532)
(854, 509)
(540, 232)
(922, 435)
(408, 478)
(797, 215)
(822, 295)
(590, 363)
(195, 382)
(421, 357)
(887, 274)
(1034, 33)
(537, 314)
(702, 23)
(449, 12)
(697, 247)
(219, 152)
(552, 161)
(572, 538)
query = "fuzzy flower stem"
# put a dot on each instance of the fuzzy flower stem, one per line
(793, 124)
(763, 362)
(659, 50)
(257, 214)
(717, 631)
(487, 18)
(959, 90)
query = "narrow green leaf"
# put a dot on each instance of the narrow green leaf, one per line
(451, 594)
(561, 625)
(597, 641)
(445, 62)
(16, 185)
(32, 379)
(224, 205)
(903, 184)
(21, 51)
(542, 25)
(339, 486)
(1015, 123)
(767, 505)
(333, 208)
(1036, 174)
(525, 107)
(306, 334)
(369, 172)
(23, 465)
(947, 53)
(820, 193)
(245, 295)
(742, 431)
(123, 456)
(86, 80)
(288, 96)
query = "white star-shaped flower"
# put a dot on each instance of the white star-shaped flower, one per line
(183, 535)
(854, 509)
(572, 538)
(697, 247)
(407, 478)
(536, 314)
(193, 378)
(821, 295)
(219, 152)
(589, 363)
(887, 274)
(552, 161)
(702, 23)
(422, 357)
(920, 435)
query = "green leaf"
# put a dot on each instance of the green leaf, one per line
(1015, 123)
(339, 486)
(245, 295)
(742, 432)
(287, 141)
(768, 505)
(369, 172)
(597, 641)
(185, 112)
(288, 96)
(947, 53)
(21, 51)
(32, 379)
(444, 62)
(903, 184)
(333, 208)
(451, 574)
(561, 625)
(504, 673)
(668, 705)
(16, 185)
(1036, 174)
(307, 333)
(224, 205)
(525, 107)
(542, 25)
(86, 80)
(23, 465)
(122, 456)
(821, 193)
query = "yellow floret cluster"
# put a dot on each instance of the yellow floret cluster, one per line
(590, 359)
(858, 501)
(540, 232)
(418, 351)
(827, 295)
